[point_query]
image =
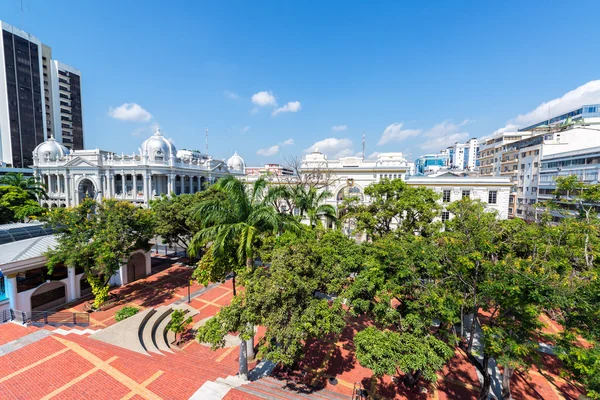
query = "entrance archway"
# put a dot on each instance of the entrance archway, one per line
(48, 296)
(136, 267)
(86, 189)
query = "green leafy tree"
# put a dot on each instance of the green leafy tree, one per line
(99, 238)
(233, 225)
(290, 298)
(414, 352)
(17, 205)
(34, 188)
(394, 205)
(178, 323)
(310, 202)
(174, 216)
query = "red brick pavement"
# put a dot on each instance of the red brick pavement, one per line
(66, 364)
(12, 331)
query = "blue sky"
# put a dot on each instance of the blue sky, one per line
(413, 76)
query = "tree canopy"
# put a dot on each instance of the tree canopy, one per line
(99, 237)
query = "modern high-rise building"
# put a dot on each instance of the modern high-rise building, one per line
(463, 156)
(22, 117)
(66, 98)
(31, 109)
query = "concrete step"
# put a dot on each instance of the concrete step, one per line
(160, 335)
(169, 336)
(250, 389)
(62, 331)
(127, 333)
(149, 332)
(316, 394)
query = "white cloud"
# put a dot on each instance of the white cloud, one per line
(588, 93)
(254, 111)
(130, 112)
(245, 129)
(444, 134)
(333, 147)
(339, 128)
(395, 133)
(269, 151)
(292, 106)
(440, 143)
(145, 130)
(231, 95)
(264, 98)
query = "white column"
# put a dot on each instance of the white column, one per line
(182, 183)
(68, 191)
(123, 176)
(10, 285)
(111, 184)
(72, 287)
(169, 184)
(134, 185)
(146, 191)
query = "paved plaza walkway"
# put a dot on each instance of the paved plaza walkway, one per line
(69, 364)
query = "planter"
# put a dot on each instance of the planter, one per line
(112, 301)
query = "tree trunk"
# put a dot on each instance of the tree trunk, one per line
(250, 348)
(249, 263)
(475, 310)
(484, 394)
(233, 283)
(243, 361)
(508, 372)
(411, 379)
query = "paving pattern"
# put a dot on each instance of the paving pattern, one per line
(74, 366)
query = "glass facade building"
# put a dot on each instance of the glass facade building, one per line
(587, 111)
(22, 60)
(428, 160)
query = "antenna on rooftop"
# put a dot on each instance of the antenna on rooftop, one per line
(363, 145)
(206, 141)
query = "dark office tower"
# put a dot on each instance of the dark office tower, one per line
(22, 105)
(66, 98)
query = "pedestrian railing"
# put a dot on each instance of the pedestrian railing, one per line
(46, 317)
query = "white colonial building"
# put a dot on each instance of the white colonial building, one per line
(350, 176)
(157, 169)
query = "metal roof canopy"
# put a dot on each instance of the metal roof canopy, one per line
(19, 231)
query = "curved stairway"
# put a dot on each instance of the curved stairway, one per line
(145, 332)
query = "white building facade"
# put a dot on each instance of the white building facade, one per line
(158, 169)
(26, 284)
(350, 176)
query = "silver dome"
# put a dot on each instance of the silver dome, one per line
(50, 150)
(158, 148)
(236, 163)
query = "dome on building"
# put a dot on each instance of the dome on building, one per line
(236, 163)
(158, 148)
(50, 150)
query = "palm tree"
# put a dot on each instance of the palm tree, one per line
(234, 225)
(31, 185)
(310, 203)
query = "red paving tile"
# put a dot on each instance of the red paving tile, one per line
(11, 331)
(48, 376)
(177, 376)
(98, 385)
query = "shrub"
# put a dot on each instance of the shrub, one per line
(126, 312)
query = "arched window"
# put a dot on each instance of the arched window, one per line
(349, 191)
